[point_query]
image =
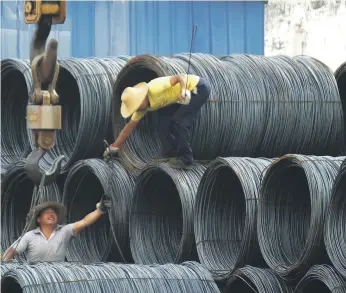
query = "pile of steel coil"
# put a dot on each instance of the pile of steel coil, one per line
(259, 106)
(108, 278)
(16, 84)
(87, 182)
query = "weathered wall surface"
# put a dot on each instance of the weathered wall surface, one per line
(312, 27)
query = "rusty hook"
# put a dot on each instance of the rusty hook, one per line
(34, 172)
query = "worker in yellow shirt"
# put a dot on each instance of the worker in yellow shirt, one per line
(179, 98)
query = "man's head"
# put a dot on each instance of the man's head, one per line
(47, 217)
(46, 213)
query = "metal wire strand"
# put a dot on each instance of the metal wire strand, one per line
(18, 196)
(226, 215)
(161, 220)
(255, 280)
(16, 82)
(108, 278)
(85, 92)
(340, 76)
(322, 279)
(335, 228)
(295, 195)
(86, 183)
(248, 94)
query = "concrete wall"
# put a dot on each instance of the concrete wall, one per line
(311, 27)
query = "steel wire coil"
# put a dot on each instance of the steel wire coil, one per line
(256, 280)
(259, 107)
(161, 219)
(295, 195)
(16, 84)
(18, 196)
(85, 92)
(335, 228)
(87, 181)
(322, 279)
(108, 278)
(340, 76)
(226, 215)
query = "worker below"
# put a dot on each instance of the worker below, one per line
(188, 92)
(48, 239)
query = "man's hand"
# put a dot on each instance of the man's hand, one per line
(185, 97)
(103, 206)
(110, 151)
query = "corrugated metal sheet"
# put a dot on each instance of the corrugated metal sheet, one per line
(108, 28)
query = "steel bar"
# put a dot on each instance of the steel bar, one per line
(226, 215)
(161, 219)
(86, 183)
(259, 107)
(295, 195)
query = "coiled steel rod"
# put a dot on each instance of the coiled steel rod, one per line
(259, 107)
(85, 92)
(16, 83)
(335, 229)
(86, 183)
(322, 279)
(340, 76)
(108, 278)
(18, 196)
(161, 220)
(226, 215)
(296, 192)
(255, 280)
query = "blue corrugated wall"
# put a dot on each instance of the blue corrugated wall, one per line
(109, 28)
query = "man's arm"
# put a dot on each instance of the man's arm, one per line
(17, 247)
(178, 79)
(90, 218)
(9, 254)
(125, 133)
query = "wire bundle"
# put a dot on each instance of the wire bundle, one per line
(340, 76)
(18, 196)
(16, 83)
(85, 91)
(259, 107)
(87, 181)
(108, 278)
(226, 215)
(296, 192)
(255, 280)
(335, 229)
(322, 279)
(161, 220)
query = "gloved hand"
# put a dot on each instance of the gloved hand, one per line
(185, 97)
(103, 206)
(109, 152)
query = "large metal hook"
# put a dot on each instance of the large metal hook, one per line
(34, 172)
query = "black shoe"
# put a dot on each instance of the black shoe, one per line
(179, 164)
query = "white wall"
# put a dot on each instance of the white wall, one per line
(311, 27)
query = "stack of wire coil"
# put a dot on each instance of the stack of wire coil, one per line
(248, 94)
(322, 279)
(108, 278)
(226, 215)
(161, 220)
(86, 183)
(296, 193)
(340, 76)
(18, 196)
(255, 280)
(335, 229)
(85, 93)
(16, 84)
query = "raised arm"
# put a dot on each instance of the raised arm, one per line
(90, 219)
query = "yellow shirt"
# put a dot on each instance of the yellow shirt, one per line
(161, 93)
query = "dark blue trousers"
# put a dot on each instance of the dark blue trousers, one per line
(176, 121)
